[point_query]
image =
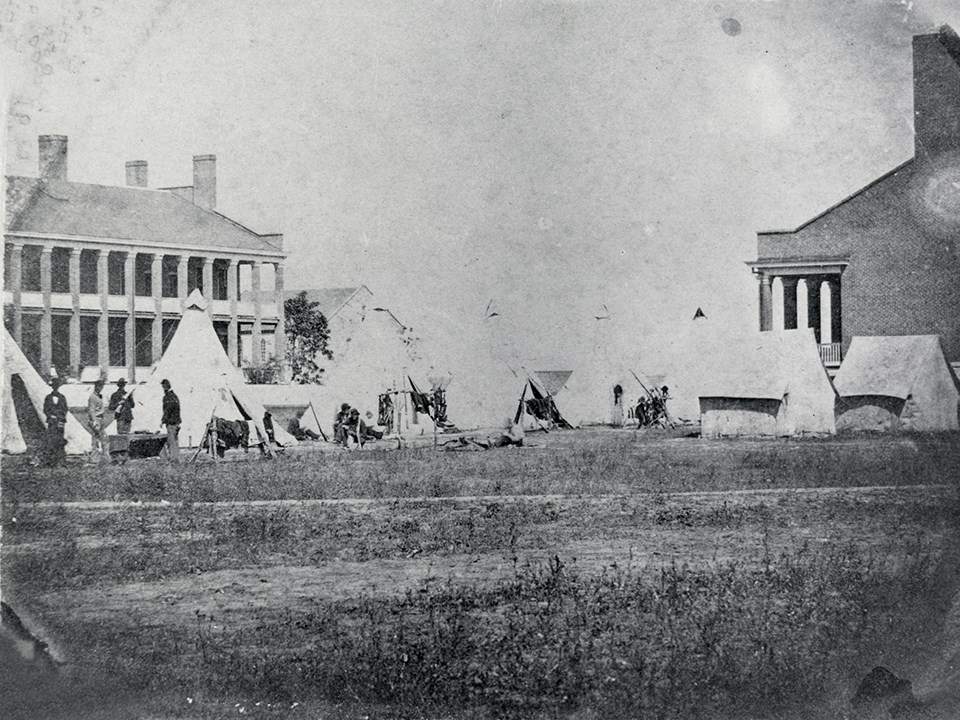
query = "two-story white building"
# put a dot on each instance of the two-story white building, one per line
(95, 276)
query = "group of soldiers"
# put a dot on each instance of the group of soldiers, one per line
(651, 411)
(118, 408)
(349, 427)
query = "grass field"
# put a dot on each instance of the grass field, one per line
(597, 574)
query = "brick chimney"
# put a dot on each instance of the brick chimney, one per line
(936, 92)
(53, 157)
(205, 181)
(137, 173)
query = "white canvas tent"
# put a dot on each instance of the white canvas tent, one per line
(601, 392)
(680, 360)
(896, 383)
(204, 379)
(18, 370)
(767, 383)
(377, 360)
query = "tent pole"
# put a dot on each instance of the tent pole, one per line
(314, 411)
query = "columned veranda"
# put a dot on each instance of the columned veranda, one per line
(75, 306)
(803, 295)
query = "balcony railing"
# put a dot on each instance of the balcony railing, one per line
(830, 353)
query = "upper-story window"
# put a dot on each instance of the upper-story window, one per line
(169, 284)
(60, 270)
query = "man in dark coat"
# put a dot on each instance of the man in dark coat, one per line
(121, 405)
(171, 419)
(55, 411)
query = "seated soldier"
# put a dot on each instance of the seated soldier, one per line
(339, 424)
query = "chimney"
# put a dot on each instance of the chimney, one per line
(53, 157)
(936, 93)
(137, 173)
(205, 181)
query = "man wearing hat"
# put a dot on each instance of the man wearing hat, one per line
(55, 411)
(121, 405)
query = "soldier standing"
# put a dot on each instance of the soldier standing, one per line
(95, 415)
(171, 419)
(55, 411)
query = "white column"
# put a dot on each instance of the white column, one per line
(46, 320)
(103, 322)
(803, 316)
(156, 289)
(255, 358)
(778, 303)
(207, 279)
(232, 331)
(826, 326)
(280, 335)
(130, 329)
(182, 285)
(16, 282)
(75, 316)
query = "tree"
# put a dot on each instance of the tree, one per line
(307, 337)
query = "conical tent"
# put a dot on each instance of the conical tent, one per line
(16, 367)
(204, 379)
(378, 360)
(681, 360)
(896, 383)
(767, 383)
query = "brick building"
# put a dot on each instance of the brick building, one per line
(886, 260)
(95, 276)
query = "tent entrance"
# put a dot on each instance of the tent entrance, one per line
(542, 407)
(869, 412)
(31, 426)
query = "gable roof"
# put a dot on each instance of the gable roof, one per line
(766, 365)
(873, 183)
(331, 300)
(887, 365)
(140, 215)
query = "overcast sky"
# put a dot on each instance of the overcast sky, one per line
(554, 156)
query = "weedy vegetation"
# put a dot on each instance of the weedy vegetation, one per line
(600, 592)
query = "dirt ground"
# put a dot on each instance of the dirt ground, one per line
(165, 564)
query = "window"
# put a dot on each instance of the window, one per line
(221, 271)
(117, 338)
(89, 347)
(30, 268)
(144, 342)
(88, 272)
(143, 275)
(60, 270)
(169, 283)
(115, 273)
(60, 345)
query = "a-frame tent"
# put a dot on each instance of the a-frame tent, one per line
(767, 383)
(891, 383)
(24, 392)
(206, 382)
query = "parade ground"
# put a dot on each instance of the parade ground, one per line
(592, 573)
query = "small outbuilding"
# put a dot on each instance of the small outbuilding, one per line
(767, 384)
(896, 383)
